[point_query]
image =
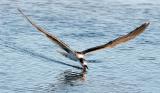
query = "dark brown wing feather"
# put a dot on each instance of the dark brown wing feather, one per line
(119, 40)
(51, 37)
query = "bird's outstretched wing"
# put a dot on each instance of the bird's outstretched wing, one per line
(50, 36)
(119, 40)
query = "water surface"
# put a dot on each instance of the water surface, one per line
(29, 62)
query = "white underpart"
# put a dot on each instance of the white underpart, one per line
(73, 56)
(80, 55)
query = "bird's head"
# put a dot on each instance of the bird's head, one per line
(83, 63)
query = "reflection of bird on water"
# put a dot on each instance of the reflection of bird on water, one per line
(62, 81)
(79, 56)
(65, 80)
(70, 76)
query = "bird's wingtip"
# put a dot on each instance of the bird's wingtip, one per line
(147, 23)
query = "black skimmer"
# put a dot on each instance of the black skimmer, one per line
(79, 56)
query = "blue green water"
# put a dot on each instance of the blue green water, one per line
(30, 63)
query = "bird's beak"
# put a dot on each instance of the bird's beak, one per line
(86, 66)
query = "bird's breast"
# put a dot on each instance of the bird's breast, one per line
(79, 55)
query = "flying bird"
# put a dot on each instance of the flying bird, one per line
(80, 55)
